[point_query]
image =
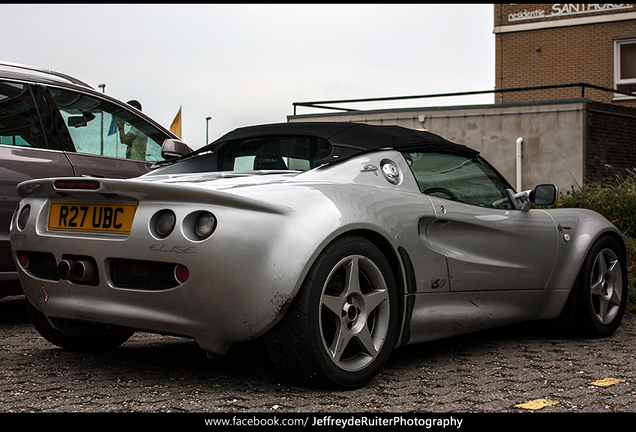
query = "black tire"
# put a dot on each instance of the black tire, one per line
(86, 337)
(339, 331)
(601, 290)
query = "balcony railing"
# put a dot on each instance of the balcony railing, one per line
(327, 103)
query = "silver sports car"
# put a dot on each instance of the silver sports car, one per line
(332, 242)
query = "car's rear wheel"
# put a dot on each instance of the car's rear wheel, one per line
(343, 325)
(602, 289)
(81, 336)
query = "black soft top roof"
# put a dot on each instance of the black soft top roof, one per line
(348, 139)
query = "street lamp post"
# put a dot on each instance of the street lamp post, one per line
(207, 122)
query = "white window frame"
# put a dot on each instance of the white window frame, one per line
(617, 67)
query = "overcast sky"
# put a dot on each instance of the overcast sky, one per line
(244, 64)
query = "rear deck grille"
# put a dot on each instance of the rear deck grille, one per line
(140, 274)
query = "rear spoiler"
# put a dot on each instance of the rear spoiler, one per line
(138, 190)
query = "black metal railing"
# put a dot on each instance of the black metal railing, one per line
(322, 104)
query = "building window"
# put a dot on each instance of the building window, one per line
(625, 67)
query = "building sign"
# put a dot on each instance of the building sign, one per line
(566, 10)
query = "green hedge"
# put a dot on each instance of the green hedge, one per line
(616, 200)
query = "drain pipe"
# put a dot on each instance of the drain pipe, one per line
(519, 164)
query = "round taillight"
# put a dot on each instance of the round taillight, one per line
(205, 225)
(181, 273)
(23, 217)
(162, 223)
(199, 225)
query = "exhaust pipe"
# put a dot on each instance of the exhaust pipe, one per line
(84, 271)
(64, 269)
(78, 271)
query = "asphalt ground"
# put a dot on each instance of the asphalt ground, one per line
(513, 370)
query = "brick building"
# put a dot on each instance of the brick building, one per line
(548, 44)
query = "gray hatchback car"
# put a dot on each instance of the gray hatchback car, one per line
(53, 125)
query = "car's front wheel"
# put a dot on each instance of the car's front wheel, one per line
(344, 322)
(83, 337)
(602, 289)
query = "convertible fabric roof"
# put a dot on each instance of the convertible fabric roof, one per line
(348, 139)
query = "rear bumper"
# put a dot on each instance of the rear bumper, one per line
(236, 288)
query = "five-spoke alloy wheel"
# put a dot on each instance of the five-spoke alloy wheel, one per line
(355, 313)
(344, 322)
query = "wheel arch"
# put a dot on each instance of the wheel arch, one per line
(395, 258)
(621, 241)
(611, 233)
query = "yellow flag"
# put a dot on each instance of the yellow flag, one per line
(175, 127)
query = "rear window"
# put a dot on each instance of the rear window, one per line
(285, 153)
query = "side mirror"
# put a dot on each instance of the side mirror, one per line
(544, 195)
(173, 148)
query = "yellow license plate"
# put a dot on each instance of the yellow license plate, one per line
(92, 217)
